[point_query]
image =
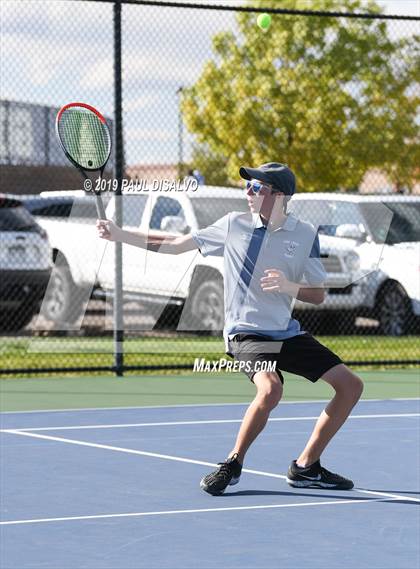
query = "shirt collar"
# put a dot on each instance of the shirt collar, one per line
(288, 225)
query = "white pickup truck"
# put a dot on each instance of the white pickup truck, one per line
(190, 283)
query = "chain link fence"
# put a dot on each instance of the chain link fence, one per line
(205, 90)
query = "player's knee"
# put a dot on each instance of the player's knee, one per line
(351, 387)
(271, 397)
(357, 387)
(270, 389)
(346, 384)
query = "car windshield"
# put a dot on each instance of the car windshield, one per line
(49, 208)
(405, 223)
(16, 219)
(209, 210)
(326, 214)
(133, 209)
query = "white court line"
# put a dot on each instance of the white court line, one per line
(203, 422)
(197, 511)
(180, 459)
(192, 405)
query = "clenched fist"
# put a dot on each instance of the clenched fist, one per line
(108, 230)
(276, 281)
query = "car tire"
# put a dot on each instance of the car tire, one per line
(206, 307)
(393, 310)
(64, 300)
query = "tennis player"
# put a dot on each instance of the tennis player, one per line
(271, 258)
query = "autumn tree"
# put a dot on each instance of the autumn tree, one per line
(330, 96)
(213, 166)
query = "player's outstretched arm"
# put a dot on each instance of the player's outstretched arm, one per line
(152, 241)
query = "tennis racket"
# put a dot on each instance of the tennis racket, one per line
(86, 141)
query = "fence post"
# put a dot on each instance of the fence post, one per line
(118, 175)
(180, 135)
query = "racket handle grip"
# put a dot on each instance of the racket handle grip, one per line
(100, 206)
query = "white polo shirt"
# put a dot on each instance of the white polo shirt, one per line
(249, 248)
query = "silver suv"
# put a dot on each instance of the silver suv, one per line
(25, 265)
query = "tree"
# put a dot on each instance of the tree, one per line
(212, 166)
(331, 97)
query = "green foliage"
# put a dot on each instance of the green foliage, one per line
(331, 97)
(211, 165)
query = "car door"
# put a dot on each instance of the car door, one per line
(168, 273)
(134, 207)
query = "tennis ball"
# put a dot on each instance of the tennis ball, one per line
(264, 21)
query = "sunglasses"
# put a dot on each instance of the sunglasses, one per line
(256, 187)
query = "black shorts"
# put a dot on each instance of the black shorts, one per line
(302, 355)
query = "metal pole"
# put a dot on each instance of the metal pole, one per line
(180, 135)
(118, 175)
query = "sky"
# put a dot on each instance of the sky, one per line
(59, 51)
(401, 7)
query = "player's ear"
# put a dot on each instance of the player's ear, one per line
(286, 202)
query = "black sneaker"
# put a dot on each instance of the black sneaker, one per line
(228, 474)
(315, 476)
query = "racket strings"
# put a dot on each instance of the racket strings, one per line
(85, 137)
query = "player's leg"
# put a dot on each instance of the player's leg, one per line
(269, 392)
(307, 471)
(348, 388)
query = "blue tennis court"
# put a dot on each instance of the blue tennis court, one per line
(119, 488)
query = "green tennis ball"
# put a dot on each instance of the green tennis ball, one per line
(264, 21)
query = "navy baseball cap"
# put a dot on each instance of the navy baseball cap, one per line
(277, 175)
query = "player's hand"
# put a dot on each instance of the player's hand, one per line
(275, 281)
(108, 230)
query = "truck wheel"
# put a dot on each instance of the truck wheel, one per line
(63, 302)
(393, 311)
(207, 307)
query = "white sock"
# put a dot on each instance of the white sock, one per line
(299, 466)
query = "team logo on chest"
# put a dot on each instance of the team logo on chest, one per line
(290, 248)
